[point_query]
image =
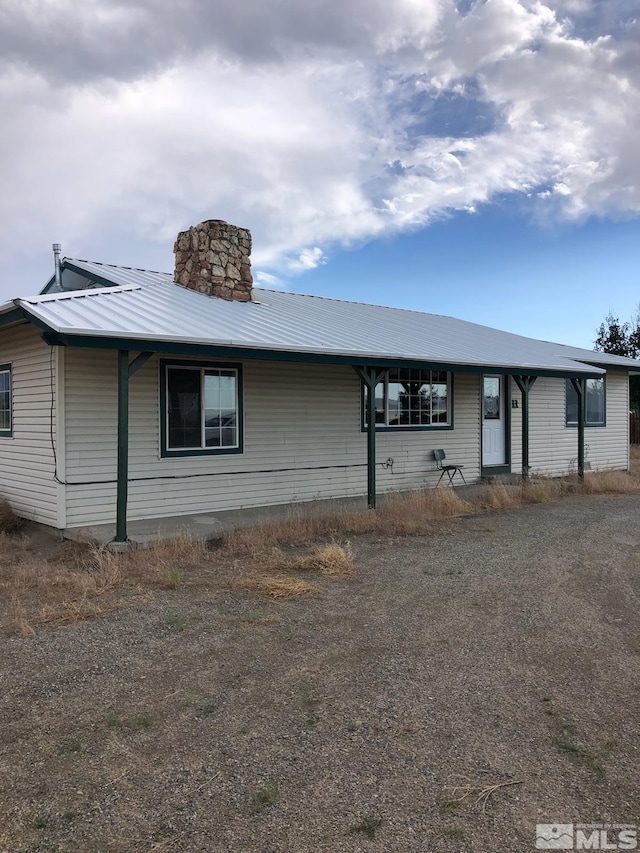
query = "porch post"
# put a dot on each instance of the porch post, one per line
(370, 376)
(580, 385)
(525, 384)
(123, 446)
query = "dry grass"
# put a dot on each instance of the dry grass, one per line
(613, 482)
(635, 451)
(406, 513)
(81, 581)
(275, 586)
(330, 560)
(9, 521)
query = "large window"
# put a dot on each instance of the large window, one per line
(595, 413)
(201, 408)
(408, 398)
(6, 403)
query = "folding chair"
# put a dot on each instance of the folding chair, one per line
(450, 470)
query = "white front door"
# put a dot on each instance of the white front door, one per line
(493, 421)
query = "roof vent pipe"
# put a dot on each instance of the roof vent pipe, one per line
(56, 263)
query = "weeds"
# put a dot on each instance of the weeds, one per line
(367, 826)
(73, 744)
(263, 798)
(565, 742)
(40, 821)
(275, 586)
(138, 721)
(330, 560)
(455, 833)
(175, 620)
(174, 577)
(206, 706)
(9, 521)
(83, 581)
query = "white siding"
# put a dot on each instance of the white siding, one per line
(553, 447)
(27, 460)
(301, 417)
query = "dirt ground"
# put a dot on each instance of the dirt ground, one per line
(371, 716)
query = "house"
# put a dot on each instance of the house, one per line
(131, 394)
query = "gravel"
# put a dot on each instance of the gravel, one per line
(506, 650)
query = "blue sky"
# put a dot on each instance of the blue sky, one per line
(473, 158)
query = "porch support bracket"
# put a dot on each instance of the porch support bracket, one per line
(126, 370)
(580, 386)
(371, 376)
(525, 383)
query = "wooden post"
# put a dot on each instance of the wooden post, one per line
(122, 488)
(525, 384)
(581, 386)
(371, 376)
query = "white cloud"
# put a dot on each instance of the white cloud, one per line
(312, 130)
(307, 259)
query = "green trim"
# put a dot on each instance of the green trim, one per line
(12, 316)
(505, 467)
(49, 284)
(8, 433)
(370, 377)
(581, 387)
(165, 452)
(122, 488)
(525, 384)
(574, 424)
(494, 470)
(139, 361)
(69, 265)
(54, 338)
(402, 428)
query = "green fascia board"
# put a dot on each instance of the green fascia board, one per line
(49, 284)
(54, 338)
(105, 282)
(13, 316)
(68, 265)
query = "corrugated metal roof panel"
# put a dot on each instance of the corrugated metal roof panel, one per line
(117, 275)
(160, 310)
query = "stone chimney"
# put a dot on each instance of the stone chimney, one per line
(214, 258)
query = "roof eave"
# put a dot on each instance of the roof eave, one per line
(222, 349)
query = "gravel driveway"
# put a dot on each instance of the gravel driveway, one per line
(506, 650)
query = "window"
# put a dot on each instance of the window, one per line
(200, 407)
(595, 403)
(6, 402)
(409, 398)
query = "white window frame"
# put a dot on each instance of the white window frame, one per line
(8, 432)
(202, 368)
(391, 427)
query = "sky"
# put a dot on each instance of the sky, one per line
(476, 158)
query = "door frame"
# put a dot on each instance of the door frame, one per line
(493, 470)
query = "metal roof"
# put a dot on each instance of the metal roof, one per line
(146, 306)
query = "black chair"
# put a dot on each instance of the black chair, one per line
(450, 469)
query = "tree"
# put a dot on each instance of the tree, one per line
(622, 339)
(615, 337)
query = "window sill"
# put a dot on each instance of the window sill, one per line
(410, 428)
(214, 451)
